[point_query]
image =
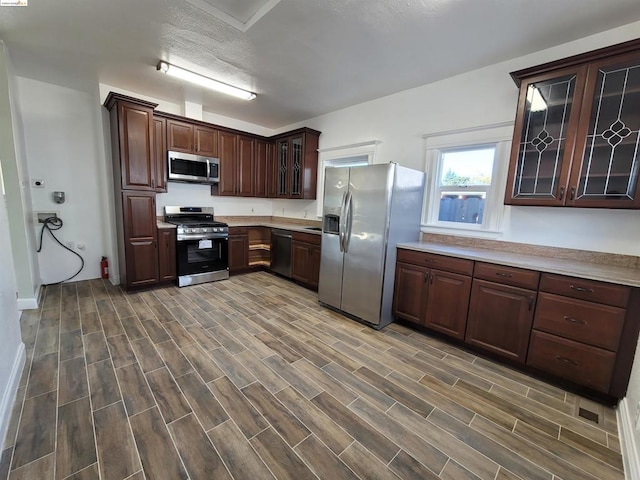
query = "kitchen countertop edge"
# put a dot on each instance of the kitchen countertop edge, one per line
(280, 226)
(589, 271)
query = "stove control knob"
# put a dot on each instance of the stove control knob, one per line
(187, 230)
(214, 229)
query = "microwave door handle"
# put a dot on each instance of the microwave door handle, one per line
(208, 170)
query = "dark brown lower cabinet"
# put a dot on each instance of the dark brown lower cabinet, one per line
(410, 292)
(167, 254)
(434, 298)
(447, 303)
(140, 265)
(574, 361)
(305, 259)
(500, 318)
(238, 249)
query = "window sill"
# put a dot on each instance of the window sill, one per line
(461, 232)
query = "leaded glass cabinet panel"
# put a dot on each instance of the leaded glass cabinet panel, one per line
(607, 172)
(543, 138)
(296, 166)
(282, 167)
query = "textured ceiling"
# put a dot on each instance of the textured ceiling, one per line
(303, 57)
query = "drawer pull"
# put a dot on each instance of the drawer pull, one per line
(507, 275)
(567, 360)
(575, 320)
(581, 289)
(530, 303)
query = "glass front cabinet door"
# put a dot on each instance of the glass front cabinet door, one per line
(607, 170)
(576, 135)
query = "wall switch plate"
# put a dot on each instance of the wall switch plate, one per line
(37, 183)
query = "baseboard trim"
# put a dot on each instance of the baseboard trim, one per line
(628, 446)
(30, 303)
(27, 303)
(9, 394)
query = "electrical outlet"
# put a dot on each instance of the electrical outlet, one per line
(636, 421)
(37, 183)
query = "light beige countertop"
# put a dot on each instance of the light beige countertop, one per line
(283, 226)
(162, 224)
(573, 268)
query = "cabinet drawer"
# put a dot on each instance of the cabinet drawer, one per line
(593, 323)
(591, 290)
(311, 238)
(238, 230)
(573, 361)
(440, 262)
(517, 277)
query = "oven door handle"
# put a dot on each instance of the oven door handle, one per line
(189, 237)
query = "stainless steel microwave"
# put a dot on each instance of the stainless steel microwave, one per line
(186, 167)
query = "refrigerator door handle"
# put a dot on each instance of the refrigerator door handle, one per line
(348, 221)
(342, 223)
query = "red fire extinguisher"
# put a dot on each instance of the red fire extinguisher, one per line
(104, 267)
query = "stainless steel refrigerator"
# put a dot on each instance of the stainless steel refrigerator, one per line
(367, 210)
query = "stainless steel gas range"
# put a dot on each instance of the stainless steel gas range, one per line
(202, 245)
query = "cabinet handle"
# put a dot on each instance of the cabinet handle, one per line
(426, 277)
(530, 303)
(507, 275)
(431, 278)
(573, 193)
(561, 195)
(153, 184)
(575, 320)
(581, 289)
(567, 360)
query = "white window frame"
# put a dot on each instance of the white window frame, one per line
(334, 155)
(496, 135)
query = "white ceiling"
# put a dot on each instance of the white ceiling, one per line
(302, 57)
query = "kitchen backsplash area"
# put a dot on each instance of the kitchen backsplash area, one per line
(586, 256)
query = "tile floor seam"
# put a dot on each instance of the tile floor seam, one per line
(267, 289)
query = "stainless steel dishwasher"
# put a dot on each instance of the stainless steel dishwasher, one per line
(281, 252)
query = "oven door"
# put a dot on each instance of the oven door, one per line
(202, 255)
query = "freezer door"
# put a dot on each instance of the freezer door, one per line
(336, 185)
(367, 225)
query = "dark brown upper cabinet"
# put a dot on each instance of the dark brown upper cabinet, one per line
(132, 134)
(192, 138)
(577, 131)
(296, 164)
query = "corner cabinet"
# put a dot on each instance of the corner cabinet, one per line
(296, 165)
(577, 131)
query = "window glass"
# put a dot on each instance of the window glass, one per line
(467, 167)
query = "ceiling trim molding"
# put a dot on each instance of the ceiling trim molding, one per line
(372, 143)
(234, 22)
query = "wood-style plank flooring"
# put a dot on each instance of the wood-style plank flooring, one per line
(251, 378)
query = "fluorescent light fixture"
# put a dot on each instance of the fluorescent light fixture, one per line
(205, 81)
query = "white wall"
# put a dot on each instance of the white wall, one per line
(17, 196)
(61, 135)
(11, 347)
(482, 97)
